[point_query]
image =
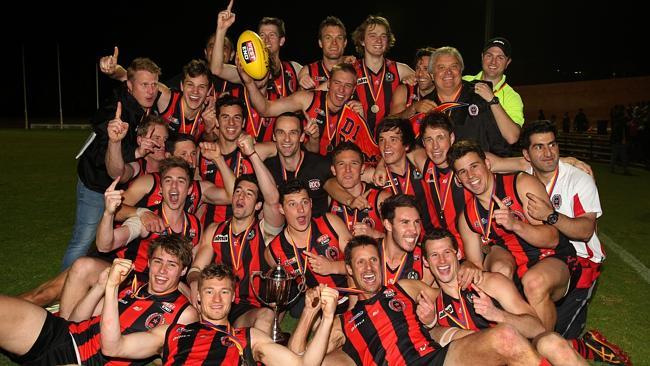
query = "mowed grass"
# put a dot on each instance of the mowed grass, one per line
(38, 200)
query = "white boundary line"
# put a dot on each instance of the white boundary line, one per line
(628, 258)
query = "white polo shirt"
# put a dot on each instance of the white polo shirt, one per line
(574, 194)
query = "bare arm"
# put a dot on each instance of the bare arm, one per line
(404, 71)
(575, 228)
(297, 101)
(203, 257)
(86, 307)
(471, 242)
(298, 340)
(508, 128)
(225, 19)
(507, 165)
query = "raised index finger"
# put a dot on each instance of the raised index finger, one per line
(114, 184)
(499, 202)
(116, 52)
(229, 8)
(118, 110)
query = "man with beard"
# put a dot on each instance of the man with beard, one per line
(240, 241)
(31, 335)
(499, 235)
(213, 341)
(493, 299)
(383, 327)
(309, 247)
(332, 39)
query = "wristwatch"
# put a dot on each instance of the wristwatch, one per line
(552, 218)
(494, 100)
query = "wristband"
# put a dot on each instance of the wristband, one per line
(193, 269)
(433, 323)
(251, 154)
(140, 211)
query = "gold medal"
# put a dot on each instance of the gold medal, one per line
(374, 109)
(486, 249)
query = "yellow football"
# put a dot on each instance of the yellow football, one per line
(253, 56)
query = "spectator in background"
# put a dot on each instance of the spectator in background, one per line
(619, 138)
(580, 122)
(566, 123)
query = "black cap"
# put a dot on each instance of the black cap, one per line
(500, 42)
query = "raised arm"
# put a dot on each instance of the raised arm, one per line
(202, 259)
(225, 19)
(135, 345)
(211, 193)
(108, 66)
(509, 129)
(108, 238)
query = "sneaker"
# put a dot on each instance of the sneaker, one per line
(604, 350)
(54, 308)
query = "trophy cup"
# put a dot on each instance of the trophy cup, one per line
(277, 283)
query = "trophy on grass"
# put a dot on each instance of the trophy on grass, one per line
(278, 284)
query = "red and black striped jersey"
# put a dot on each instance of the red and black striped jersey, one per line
(245, 255)
(261, 128)
(448, 199)
(142, 164)
(154, 196)
(137, 249)
(460, 312)
(239, 164)
(138, 313)
(200, 344)
(177, 122)
(326, 120)
(414, 184)
(285, 83)
(411, 267)
(385, 330)
(318, 72)
(368, 216)
(324, 241)
(224, 87)
(525, 254)
(383, 83)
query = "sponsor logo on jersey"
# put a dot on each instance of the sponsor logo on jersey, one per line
(314, 184)
(168, 307)
(556, 200)
(221, 238)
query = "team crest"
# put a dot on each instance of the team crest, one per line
(473, 110)
(417, 174)
(413, 275)
(227, 342)
(396, 305)
(389, 77)
(556, 200)
(154, 320)
(319, 112)
(251, 235)
(337, 209)
(332, 253)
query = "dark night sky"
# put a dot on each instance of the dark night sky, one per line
(551, 40)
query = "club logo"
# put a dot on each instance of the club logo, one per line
(154, 320)
(389, 77)
(413, 275)
(396, 305)
(556, 200)
(332, 253)
(473, 110)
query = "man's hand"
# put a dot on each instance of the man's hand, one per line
(307, 82)
(209, 115)
(117, 128)
(246, 143)
(538, 207)
(410, 80)
(194, 295)
(120, 269)
(319, 263)
(108, 64)
(578, 164)
(361, 228)
(312, 300)
(359, 203)
(311, 129)
(328, 300)
(356, 106)
(245, 78)
(484, 90)
(152, 222)
(484, 306)
(112, 198)
(503, 216)
(226, 18)
(210, 150)
(426, 309)
(425, 106)
(147, 144)
(468, 273)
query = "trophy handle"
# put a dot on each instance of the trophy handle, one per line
(302, 287)
(252, 277)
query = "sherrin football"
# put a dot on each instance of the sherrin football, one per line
(253, 56)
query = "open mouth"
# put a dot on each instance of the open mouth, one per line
(444, 270)
(160, 280)
(174, 197)
(369, 278)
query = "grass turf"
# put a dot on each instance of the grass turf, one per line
(38, 188)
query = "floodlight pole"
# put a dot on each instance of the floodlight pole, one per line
(25, 88)
(489, 20)
(97, 84)
(58, 74)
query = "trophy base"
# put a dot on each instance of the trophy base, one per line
(281, 338)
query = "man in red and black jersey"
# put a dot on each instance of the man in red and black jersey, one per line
(377, 77)
(383, 327)
(31, 335)
(132, 240)
(309, 247)
(240, 241)
(408, 101)
(492, 299)
(401, 255)
(332, 39)
(500, 236)
(347, 167)
(213, 341)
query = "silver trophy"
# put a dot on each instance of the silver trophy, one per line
(277, 283)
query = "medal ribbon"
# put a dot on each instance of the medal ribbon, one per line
(170, 231)
(302, 266)
(371, 84)
(445, 195)
(196, 119)
(251, 115)
(554, 180)
(135, 289)
(485, 234)
(228, 334)
(236, 259)
(400, 189)
(295, 173)
(386, 271)
(463, 306)
(280, 87)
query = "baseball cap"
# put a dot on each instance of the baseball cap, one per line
(500, 42)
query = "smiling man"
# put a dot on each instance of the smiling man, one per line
(332, 39)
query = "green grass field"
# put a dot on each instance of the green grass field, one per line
(38, 200)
